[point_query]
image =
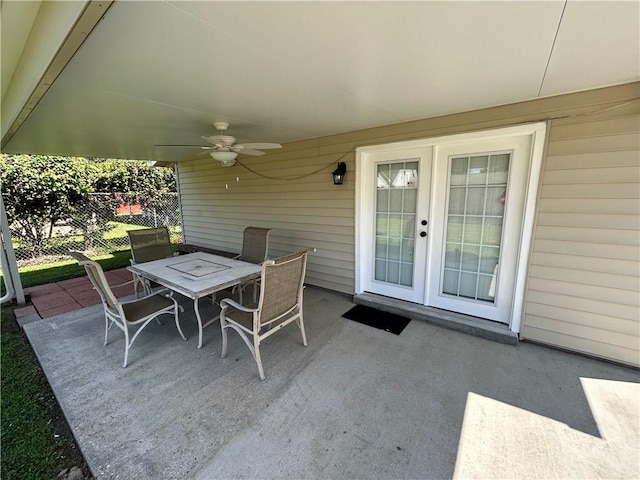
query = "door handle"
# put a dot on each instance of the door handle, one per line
(423, 234)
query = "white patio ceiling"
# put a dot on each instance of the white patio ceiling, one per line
(161, 72)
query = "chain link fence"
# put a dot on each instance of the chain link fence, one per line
(99, 227)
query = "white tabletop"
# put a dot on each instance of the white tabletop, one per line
(199, 274)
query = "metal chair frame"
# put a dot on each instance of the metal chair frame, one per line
(280, 303)
(126, 314)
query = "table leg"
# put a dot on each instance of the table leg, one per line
(201, 326)
(197, 310)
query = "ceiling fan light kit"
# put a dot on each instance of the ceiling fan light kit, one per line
(227, 159)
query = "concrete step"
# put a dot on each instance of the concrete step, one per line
(455, 321)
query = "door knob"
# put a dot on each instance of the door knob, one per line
(423, 234)
(423, 222)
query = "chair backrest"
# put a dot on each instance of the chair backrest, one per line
(255, 244)
(282, 284)
(97, 278)
(150, 244)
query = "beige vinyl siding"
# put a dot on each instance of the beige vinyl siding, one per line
(585, 249)
(304, 213)
(583, 289)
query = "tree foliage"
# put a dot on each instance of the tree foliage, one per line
(134, 179)
(40, 190)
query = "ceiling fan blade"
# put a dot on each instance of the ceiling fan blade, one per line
(254, 153)
(264, 146)
(181, 146)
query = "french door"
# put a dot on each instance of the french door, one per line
(395, 238)
(447, 223)
(477, 229)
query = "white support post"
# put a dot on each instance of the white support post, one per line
(9, 264)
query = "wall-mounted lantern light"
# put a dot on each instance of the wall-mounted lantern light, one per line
(338, 173)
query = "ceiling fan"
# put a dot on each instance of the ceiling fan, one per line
(224, 147)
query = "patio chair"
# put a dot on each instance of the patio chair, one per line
(147, 245)
(126, 314)
(280, 304)
(255, 247)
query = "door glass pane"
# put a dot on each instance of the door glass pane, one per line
(396, 198)
(457, 200)
(475, 201)
(406, 274)
(450, 280)
(477, 173)
(475, 216)
(382, 224)
(407, 251)
(381, 270)
(486, 287)
(459, 168)
(409, 204)
(452, 256)
(393, 272)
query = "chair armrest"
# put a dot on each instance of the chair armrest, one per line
(122, 284)
(232, 303)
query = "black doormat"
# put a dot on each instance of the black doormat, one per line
(373, 317)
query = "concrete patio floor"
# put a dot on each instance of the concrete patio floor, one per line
(356, 403)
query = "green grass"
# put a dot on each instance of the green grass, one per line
(34, 275)
(119, 230)
(36, 442)
(114, 238)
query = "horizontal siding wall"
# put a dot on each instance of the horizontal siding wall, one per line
(586, 238)
(583, 285)
(309, 212)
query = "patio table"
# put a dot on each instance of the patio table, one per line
(197, 275)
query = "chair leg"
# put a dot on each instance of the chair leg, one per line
(108, 324)
(158, 321)
(136, 282)
(300, 322)
(256, 354)
(147, 287)
(126, 346)
(254, 349)
(175, 315)
(223, 328)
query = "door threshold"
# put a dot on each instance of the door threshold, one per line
(479, 327)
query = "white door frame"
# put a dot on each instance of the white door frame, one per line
(363, 213)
